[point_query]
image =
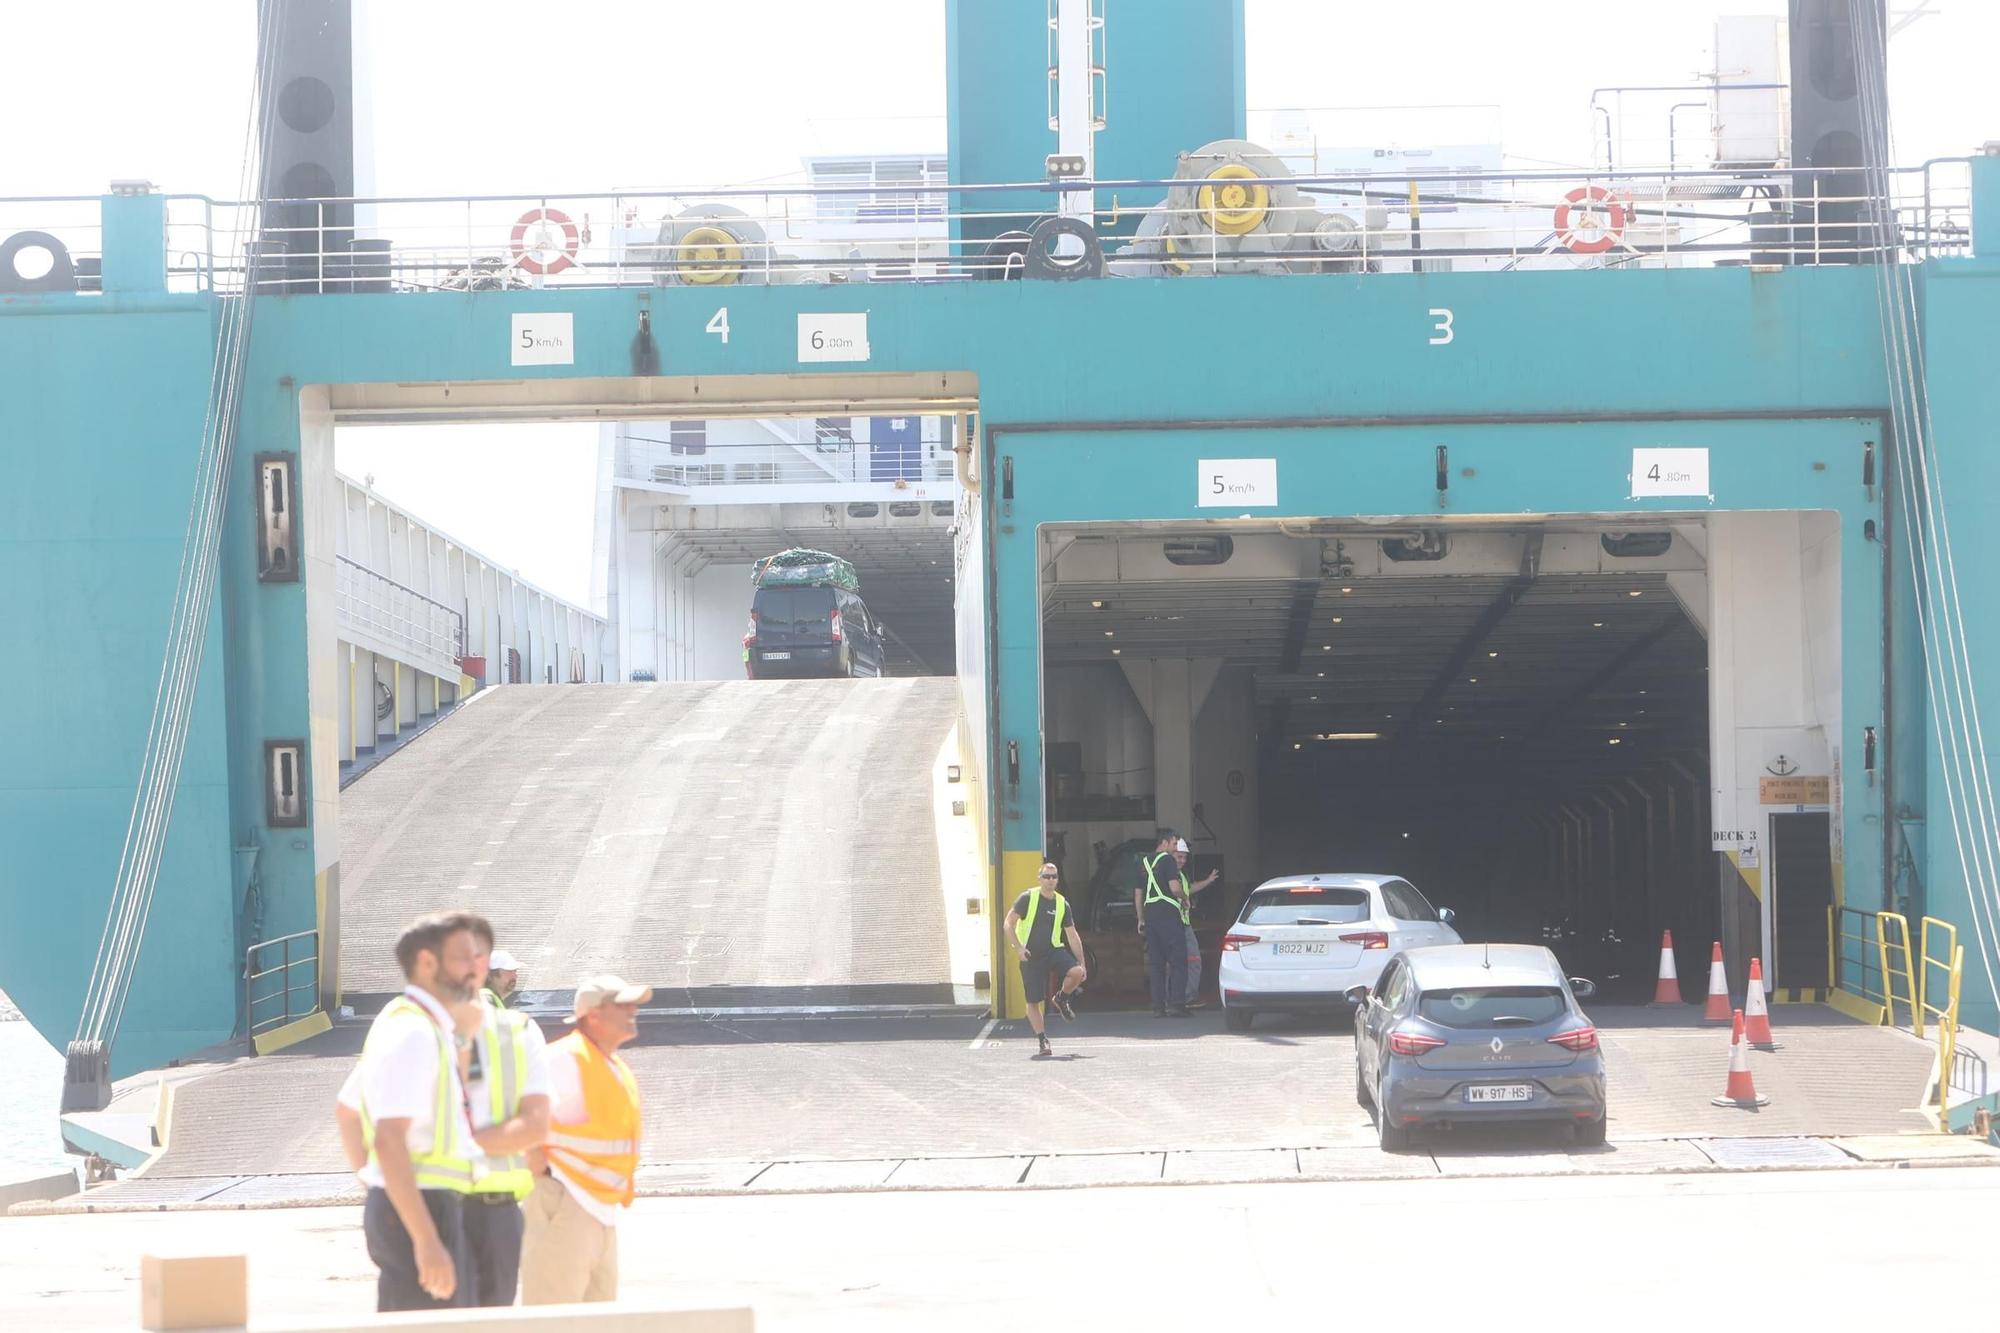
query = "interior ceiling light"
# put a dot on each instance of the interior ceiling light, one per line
(1597, 624)
(1097, 606)
(1347, 590)
(1116, 651)
(1326, 647)
(1351, 736)
(1297, 746)
(1634, 593)
(1336, 620)
(1493, 654)
(1613, 741)
(1108, 633)
(1322, 675)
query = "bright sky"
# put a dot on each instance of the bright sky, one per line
(501, 96)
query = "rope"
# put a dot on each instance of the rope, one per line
(146, 830)
(1948, 675)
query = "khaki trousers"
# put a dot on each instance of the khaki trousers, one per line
(568, 1255)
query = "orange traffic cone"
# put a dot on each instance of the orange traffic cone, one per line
(1717, 1010)
(1668, 991)
(1740, 1092)
(1756, 1013)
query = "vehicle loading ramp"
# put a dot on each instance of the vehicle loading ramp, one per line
(881, 1090)
(757, 841)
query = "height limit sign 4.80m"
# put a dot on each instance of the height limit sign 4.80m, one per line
(1670, 472)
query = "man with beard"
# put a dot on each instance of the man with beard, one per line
(402, 1118)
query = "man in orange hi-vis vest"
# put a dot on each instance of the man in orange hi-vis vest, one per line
(584, 1171)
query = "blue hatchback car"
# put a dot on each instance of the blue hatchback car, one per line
(1474, 1033)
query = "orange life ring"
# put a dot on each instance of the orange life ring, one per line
(525, 255)
(1608, 212)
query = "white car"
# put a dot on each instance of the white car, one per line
(1302, 940)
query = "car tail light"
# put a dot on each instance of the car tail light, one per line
(1576, 1039)
(1368, 939)
(836, 624)
(1412, 1043)
(1233, 943)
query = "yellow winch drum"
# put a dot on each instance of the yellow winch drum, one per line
(1234, 202)
(708, 256)
(711, 245)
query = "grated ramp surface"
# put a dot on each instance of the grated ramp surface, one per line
(725, 833)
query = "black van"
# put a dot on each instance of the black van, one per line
(811, 632)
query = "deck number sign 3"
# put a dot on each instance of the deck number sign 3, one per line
(1237, 483)
(1670, 472)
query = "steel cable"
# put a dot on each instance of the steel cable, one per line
(147, 826)
(1949, 679)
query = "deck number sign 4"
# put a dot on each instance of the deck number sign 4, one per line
(1237, 483)
(1670, 472)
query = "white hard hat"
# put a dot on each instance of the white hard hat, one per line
(1180, 845)
(502, 961)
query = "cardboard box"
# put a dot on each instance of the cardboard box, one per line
(194, 1291)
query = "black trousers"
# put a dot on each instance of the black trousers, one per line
(389, 1245)
(493, 1227)
(1166, 955)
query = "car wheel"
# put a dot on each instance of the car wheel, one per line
(1390, 1136)
(1238, 1020)
(1590, 1133)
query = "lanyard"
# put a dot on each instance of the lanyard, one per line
(464, 1097)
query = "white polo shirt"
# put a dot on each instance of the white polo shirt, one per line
(566, 1107)
(398, 1079)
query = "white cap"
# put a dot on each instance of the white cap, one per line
(502, 961)
(606, 989)
(1180, 845)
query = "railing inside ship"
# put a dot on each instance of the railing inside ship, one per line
(397, 614)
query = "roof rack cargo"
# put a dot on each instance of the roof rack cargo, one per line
(802, 567)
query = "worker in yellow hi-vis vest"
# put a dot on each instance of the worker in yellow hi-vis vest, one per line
(1045, 938)
(507, 1096)
(1163, 901)
(402, 1120)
